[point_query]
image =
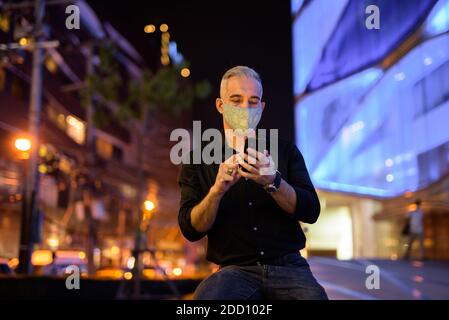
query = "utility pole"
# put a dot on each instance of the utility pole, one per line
(137, 252)
(91, 158)
(32, 183)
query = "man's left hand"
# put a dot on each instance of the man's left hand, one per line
(260, 166)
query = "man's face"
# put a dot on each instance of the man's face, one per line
(244, 92)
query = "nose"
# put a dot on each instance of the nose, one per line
(245, 104)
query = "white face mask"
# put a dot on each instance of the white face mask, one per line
(242, 119)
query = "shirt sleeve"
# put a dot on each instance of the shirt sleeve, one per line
(307, 202)
(190, 197)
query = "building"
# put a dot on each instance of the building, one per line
(64, 156)
(370, 114)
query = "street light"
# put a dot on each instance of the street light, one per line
(149, 205)
(185, 72)
(149, 28)
(163, 27)
(136, 262)
(165, 41)
(22, 144)
(23, 147)
(23, 41)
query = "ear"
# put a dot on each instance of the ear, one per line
(263, 105)
(219, 105)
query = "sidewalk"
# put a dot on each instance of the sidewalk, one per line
(398, 279)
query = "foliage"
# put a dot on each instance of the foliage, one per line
(161, 92)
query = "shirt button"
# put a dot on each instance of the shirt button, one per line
(255, 228)
(262, 253)
(250, 203)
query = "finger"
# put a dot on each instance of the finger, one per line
(227, 178)
(234, 165)
(256, 154)
(261, 157)
(229, 172)
(266, 159)
(248, 167)
(246, 174)
(229, 169)
(265, 163)
(232, 171)
(267, 171)
(236, 177)
(226, 166)
(251, 160)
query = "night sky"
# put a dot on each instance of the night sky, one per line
(215, 36)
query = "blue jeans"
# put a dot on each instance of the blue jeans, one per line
(289, 280)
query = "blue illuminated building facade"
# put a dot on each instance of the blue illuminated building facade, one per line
(372, 105)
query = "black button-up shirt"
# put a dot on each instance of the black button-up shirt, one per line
(250, 226)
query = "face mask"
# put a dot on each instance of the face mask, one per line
(242, 119)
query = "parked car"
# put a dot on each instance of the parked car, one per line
(50, 263)
(114, 273)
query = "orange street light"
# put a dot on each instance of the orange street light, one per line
(23, 41)
(149, 28)
(185, 72)
(22, 144)
(163, 27)
(149, 205)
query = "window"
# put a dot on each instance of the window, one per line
(76, 129)
(104, 148)
(432, 91)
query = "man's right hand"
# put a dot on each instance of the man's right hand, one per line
(203, 214)
(227, 176)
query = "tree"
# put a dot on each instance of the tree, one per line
(163, 91)
(102, 82)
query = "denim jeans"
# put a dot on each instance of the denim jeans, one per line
(289, 280)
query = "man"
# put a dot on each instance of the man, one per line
(249, 211)
(415, 230)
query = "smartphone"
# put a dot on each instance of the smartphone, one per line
(253, 143)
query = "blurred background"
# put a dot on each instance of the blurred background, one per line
(91, 90)
(370, 116)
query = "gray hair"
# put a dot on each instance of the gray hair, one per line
(239, 71)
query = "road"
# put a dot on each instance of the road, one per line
(398, 279)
